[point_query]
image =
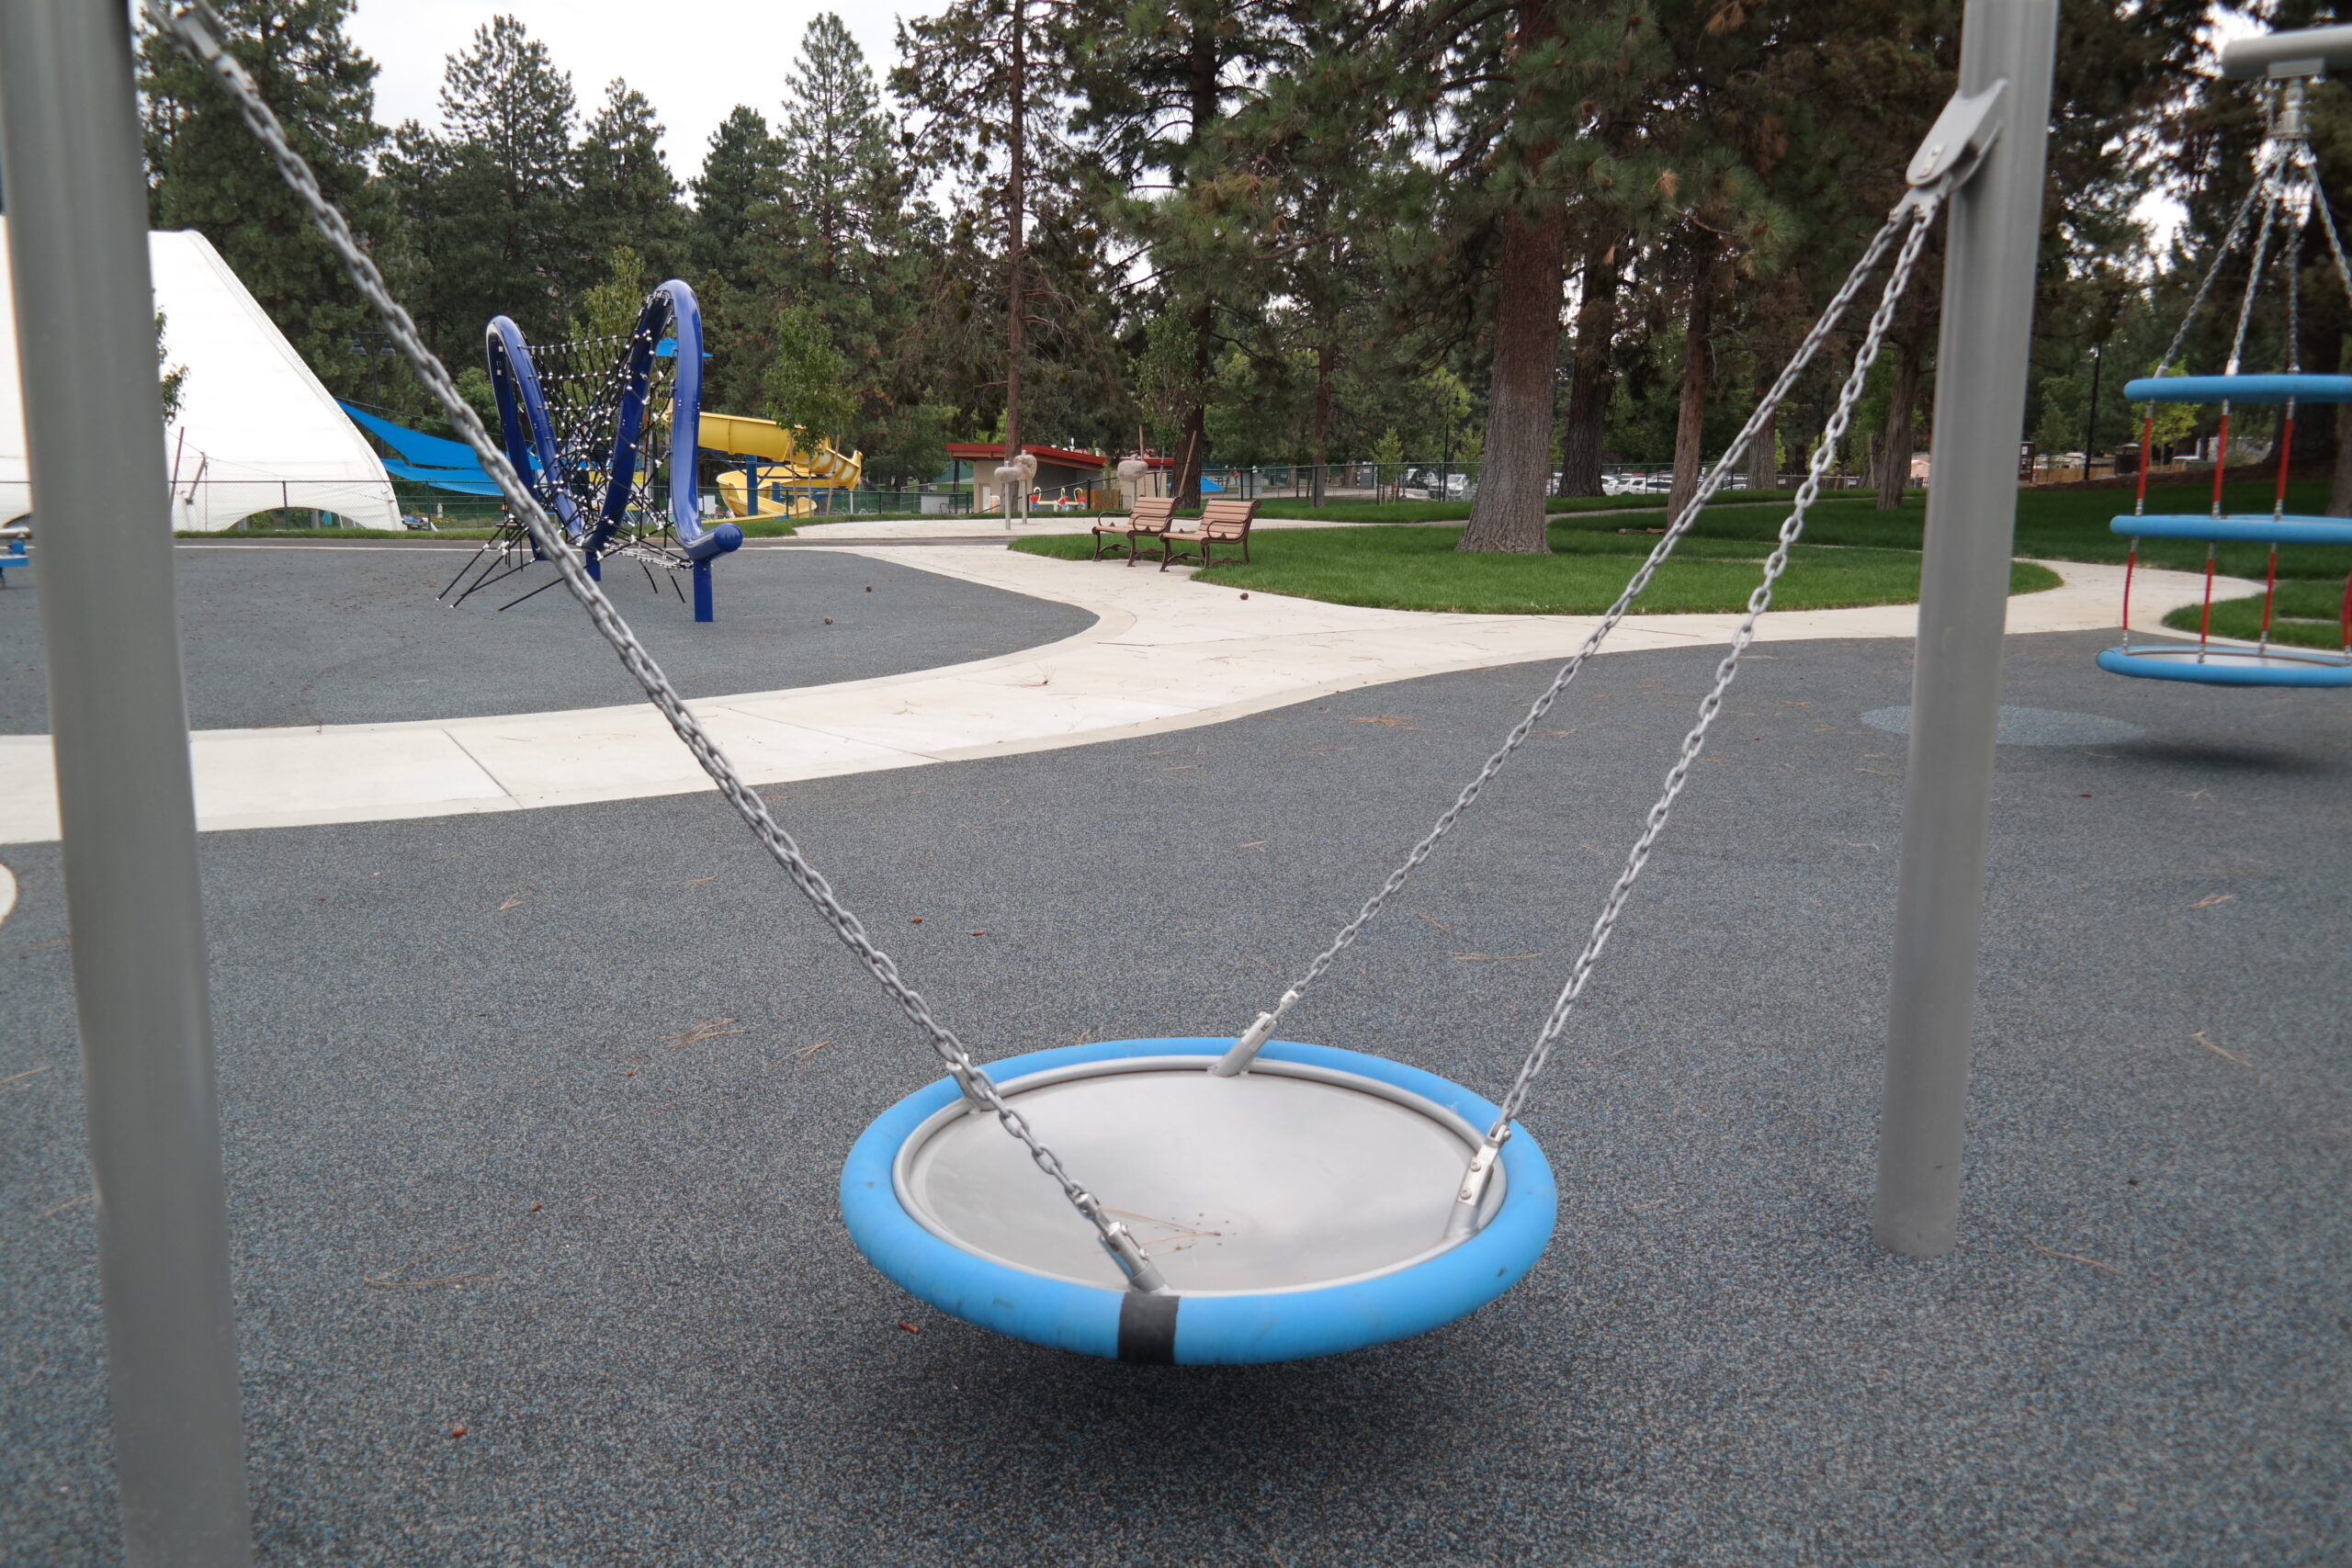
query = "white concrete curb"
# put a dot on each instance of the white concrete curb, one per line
(1165, 654)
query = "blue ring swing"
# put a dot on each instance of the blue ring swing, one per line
(2285, 188)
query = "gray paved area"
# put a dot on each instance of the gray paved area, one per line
(483, 1174)
(286, 634)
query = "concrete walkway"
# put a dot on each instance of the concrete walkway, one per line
(1166, 654)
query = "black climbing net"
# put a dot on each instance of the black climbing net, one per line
(582, 382)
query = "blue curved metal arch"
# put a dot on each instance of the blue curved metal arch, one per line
(671, 315)
(523, 421)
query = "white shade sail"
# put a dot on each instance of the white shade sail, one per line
(256, 431)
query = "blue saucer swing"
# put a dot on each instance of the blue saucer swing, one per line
(1297, 1208)
(2285, 190)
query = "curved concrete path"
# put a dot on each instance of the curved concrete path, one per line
(1166, 654)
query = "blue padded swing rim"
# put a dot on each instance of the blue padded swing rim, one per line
(2178, 665)
(1209, 1330)
(2239, 389)
(2249, 527)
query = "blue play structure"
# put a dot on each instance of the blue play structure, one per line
(2206, 662)
(585, 458)
(2284, 196)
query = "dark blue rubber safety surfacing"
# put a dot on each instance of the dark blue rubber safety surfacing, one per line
(1226, 1328)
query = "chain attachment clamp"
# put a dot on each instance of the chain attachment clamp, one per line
(1462, 1219)
(1235, 1061)
(1953, 146)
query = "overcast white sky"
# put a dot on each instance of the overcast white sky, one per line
(696, 59)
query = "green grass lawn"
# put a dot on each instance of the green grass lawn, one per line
(1418, 569)
(2308, 615)
(1459, 511)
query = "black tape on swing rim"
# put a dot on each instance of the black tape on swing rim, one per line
(1147, 1329)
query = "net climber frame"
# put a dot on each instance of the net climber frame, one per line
(2284, 196)
(1495, 1206)
(606, 428)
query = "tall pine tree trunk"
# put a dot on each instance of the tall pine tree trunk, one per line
(1196, 413)
(1763, 463)
(1507, 517)
(1585, 429)
(1895, 452)
(1691, 422)
(1324, 356)
(1203, 89)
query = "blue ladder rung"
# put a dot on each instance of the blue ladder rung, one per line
(2239, 389)
(2257, 528)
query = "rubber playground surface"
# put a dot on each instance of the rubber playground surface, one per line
(289, 634)
(534, 1121)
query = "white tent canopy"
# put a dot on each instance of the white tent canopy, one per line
(255, 432)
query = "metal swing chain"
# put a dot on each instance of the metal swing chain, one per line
(198, 33)
(2205, 285)
(2246, 298)
(1898, 283)
(2335, 241)
(1915, 207)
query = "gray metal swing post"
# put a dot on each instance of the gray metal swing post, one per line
(77, 238)
(1996, 227)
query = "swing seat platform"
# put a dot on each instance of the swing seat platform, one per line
(2275, 389)
(2217, 665)
(1296, 1209)
(2255, 528)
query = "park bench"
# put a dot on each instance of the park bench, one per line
(1222, 523)
(1150, 518)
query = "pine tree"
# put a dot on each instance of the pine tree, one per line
(626, 193)
(843, 189)
(489, 197)
(844, 224)
(969, 68)
(736, 198)
(1157, 90)
(207, 173)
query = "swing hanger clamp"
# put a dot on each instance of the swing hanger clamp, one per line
(1953, 146)
(2303, 52)
(1462, 1219)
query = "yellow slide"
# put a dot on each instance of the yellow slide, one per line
(785, 463)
